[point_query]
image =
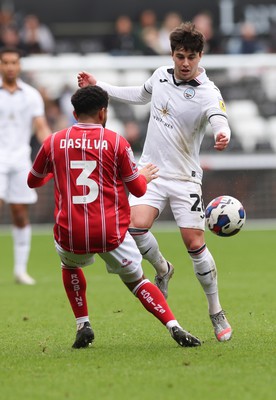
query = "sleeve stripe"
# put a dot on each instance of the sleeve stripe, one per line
(131, 177)
(223, 115)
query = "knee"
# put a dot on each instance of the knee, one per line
(193, 239)
(20, 215)
(142, 217)
(194, 246)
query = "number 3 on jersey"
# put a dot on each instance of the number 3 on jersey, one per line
(84, 180)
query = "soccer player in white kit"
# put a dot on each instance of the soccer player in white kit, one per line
(21, 111)
(183, 102)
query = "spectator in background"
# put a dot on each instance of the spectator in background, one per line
(10, 38)
(132, 130)
(55, 115)
(151, 41)
(36, 36)
(65, 103)
(247, 42)
(170, 22)
(148, 19)
(6, 17)
(148, 32)
(133, 134)
(204, 23)
(124, 41)
(56, 119)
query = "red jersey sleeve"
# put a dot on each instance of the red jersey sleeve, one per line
(41, 171)
(136, 183)
(138, 187)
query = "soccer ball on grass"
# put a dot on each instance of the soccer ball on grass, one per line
(225, 216)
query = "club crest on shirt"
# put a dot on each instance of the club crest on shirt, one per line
(189, 93)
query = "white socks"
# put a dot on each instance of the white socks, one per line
(21, 246)
(148, 247)
(206, 272)
(203, 262)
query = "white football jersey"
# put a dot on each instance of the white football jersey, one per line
(17, 111)
(178, 118)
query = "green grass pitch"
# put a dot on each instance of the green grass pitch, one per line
(133, 356)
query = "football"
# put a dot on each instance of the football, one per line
(225, 216)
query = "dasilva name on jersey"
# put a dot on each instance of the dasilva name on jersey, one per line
(83, 143)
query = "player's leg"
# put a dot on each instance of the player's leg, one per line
(22, 235)
(149, 295)
(144, 211)
(188, 210)
(20, 196)
(142, 218)
(149, 248)
(153, 300)
(74, 283)
(206, 273)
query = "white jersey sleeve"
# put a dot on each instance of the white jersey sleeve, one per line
(220, 124)
(128, 94)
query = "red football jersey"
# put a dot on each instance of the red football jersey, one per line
(90, 165)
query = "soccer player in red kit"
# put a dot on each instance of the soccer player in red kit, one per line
(92, 167)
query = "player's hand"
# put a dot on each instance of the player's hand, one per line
(221, 141)
(86, 79)
(149, 171)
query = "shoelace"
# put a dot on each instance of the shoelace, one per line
(219, 316)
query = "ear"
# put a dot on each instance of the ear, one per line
(75, 115)
(102, 114)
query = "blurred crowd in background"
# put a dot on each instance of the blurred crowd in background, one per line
(147, 37)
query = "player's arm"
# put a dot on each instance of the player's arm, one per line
(138, 186)
(35, 181)
(41, 127)
(128, 94)
(221, 131)
(41, 171)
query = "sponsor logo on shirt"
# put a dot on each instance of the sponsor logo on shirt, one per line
(165, 112)
(222, 105)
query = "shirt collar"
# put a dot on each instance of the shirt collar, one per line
(193, 82)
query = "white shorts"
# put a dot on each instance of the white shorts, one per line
(184, 197)
(14, 188)
(125, 260)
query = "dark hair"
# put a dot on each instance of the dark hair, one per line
(89, 100)
(187, 37)
(9, 49)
